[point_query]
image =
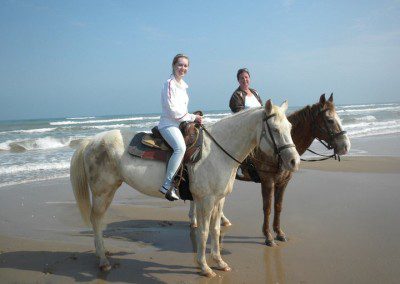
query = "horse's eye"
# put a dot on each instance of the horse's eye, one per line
(276, 130)
(330, 120)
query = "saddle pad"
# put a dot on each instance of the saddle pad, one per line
(138, 149)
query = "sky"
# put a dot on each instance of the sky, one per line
(84, 58)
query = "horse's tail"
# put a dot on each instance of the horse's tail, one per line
(79, 182)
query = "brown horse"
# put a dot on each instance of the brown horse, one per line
(319, 121)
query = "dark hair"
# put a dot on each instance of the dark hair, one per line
(179, 55)
(242, 70)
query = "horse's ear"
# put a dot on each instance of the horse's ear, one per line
(268, 106)
(322, 99)
(331, 98)
(284, 106)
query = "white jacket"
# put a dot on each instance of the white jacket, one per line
(174, 102)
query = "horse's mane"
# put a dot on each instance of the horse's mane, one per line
(300, 117)
(234, 116)
(247, 112)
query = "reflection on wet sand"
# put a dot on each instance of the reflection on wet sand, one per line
(273, 263)
(274, 270)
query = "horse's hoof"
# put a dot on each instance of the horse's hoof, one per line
(193, 226)
(225, 268)
(208, 273)
(105, 267)
(270, 243)
(226, 224)
(281, 238)
(222, 265)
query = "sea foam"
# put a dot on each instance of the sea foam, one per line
(68, 122)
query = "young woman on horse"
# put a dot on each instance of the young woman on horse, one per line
(174, 102)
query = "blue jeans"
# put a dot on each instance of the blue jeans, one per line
(174, 138)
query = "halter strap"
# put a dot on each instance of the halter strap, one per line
(331, 136)
(277, 150)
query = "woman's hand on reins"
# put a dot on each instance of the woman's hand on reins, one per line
(199, 119)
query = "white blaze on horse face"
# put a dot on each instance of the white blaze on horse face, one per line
(341, 143)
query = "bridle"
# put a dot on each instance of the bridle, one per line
(277, 150)
(330, 134)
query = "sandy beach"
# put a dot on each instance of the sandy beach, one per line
(341, 219)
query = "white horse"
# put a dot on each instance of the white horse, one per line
(103, 163)
(323, 124)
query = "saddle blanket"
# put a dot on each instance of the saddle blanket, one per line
(138, 149)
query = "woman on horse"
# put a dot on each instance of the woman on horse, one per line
(243, 98)
(174, 102)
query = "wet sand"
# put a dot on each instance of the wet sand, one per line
(342, 221)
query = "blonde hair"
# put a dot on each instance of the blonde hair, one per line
(179, 55)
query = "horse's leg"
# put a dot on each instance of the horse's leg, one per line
(215, 230)
(193, 220)
(267, 186)
(279, 192)
(204, 209)
(101, 202)
(224, 221)
(192, 215)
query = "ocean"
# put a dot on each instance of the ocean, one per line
(41, 149)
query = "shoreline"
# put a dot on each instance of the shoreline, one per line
(356, 164)
(382, 147)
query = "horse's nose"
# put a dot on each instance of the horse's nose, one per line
(344, 149)
(294, 164)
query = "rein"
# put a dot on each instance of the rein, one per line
(325, 157)
(215, 141)
(277, 150)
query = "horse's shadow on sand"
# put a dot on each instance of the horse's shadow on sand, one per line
(82, 266)
(175, 236)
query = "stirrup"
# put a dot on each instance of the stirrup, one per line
(171, 194)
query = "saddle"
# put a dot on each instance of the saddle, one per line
(152, 146)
